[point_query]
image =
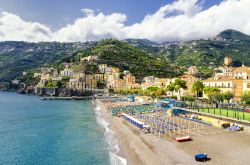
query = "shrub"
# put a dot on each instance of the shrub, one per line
(173, 97)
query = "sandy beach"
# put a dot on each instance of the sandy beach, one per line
(223, 147)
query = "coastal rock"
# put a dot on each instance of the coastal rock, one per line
(64, 92)
(46, 91)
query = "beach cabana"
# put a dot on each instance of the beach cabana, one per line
(133, 120)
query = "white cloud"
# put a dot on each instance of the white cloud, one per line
(12, 27)
(93, 27)
(87, 11)
(180, 20)
(192, 22)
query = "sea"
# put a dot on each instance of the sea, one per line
(38, 132)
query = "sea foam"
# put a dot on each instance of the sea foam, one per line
(111, 140)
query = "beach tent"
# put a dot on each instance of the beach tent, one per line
(131, 98)
(133, 120)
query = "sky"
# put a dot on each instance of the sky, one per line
(86, 20)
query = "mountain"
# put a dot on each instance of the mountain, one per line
(150, 47)
(16, 57)
(204, 53)
(141, 42)
(143, 57)
(233, 35)
(127, 57)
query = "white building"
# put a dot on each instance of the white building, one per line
(67, 72)
(149, 79)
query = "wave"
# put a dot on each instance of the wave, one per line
(110, 139)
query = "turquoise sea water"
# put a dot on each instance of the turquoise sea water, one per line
(36, 132)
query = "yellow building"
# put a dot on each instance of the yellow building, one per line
(231, 84)
(100, 77)
(118, 84)
(77, 84)
(83, 82)
(78, 75)
(161, 82)
(231, 79)
(91, 84)
(45, 77)
(228, 61)
(241, 72)
(190, 80)
(129, 79)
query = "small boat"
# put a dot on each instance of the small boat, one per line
(201, 157)
(182, 139)
(43, 98)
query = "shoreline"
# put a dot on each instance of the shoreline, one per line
(139, 148)
(115, 148)
(223, 147)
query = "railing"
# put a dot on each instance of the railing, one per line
(233, 111)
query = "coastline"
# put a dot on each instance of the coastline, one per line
(138, 148)
(116, 151)
(147, 149)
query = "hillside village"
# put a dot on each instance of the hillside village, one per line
(81, 79)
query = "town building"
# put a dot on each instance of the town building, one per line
(90, 58)
(190, 80)
(231, 79)
(67, 72)
(100, 77)
(45, 77)
(237, 86)
(103, 67)
(149, 79)
(77, 84)
(86, 83)
(192, 70)
(129, 79)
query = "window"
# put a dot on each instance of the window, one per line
(248, 85)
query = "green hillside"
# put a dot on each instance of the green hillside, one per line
(126, 57)
(16, 57)
(201, 53)
(142, 57)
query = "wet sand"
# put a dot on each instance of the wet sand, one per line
(223, 147)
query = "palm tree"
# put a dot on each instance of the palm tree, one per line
(197, 87)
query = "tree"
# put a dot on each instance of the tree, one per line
(170, 88)
(228, 96)
(197, 87)
(211, 92)
(188, 98)
(179, 84)
(154, 91)
(218, 97)
(245, 98)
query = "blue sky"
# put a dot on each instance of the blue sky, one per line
(156, 20)
(58, 13)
